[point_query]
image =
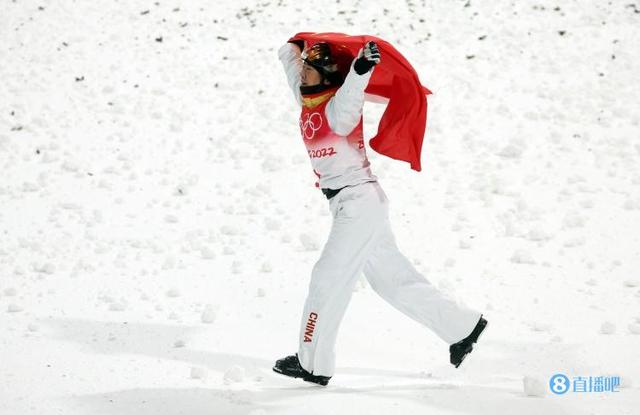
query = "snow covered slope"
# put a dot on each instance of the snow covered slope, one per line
(158, 219)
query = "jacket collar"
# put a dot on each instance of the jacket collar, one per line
(315, 99)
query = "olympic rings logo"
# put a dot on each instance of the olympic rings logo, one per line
(310, 124)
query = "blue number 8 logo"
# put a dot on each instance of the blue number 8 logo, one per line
(559, 384)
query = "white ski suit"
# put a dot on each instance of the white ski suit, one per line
(361, 239)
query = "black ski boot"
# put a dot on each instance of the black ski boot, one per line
(290, 366)
(458, 351)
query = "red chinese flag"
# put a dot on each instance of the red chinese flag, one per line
(402, 126)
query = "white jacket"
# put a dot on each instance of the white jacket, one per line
(343, 112)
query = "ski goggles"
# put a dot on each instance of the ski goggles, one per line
(319, 56)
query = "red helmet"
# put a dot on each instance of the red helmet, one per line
(332, 61)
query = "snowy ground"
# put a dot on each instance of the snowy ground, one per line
(158, 220)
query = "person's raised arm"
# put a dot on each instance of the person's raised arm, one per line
(289, 55)
(345, 108)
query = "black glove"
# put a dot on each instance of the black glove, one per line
(368, 58)
(298, 42)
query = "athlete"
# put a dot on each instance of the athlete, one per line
(329, 84)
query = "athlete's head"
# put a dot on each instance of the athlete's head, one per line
(310, 76)
(322, 66)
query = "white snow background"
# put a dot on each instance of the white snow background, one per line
(159, 223)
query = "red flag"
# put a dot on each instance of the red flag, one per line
(402, 126)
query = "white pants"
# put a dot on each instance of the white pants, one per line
(361, 240)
